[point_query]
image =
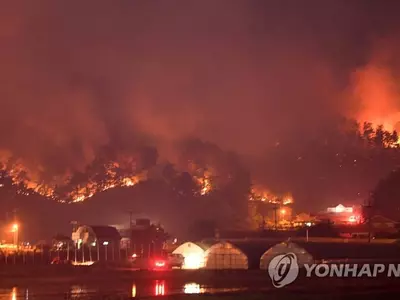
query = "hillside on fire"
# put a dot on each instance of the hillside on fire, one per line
(205, 183)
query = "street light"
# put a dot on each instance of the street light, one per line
(308, 225)
(105, 244)
(15, 227)
(14, 230)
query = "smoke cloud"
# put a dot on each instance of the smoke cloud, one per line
(375, 87)
(244, 75)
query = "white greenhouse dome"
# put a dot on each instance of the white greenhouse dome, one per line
(225, 256)
(194, 255)
(303, 257)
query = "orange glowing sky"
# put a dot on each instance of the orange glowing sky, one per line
(376, 91)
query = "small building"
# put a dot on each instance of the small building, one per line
(125, 238)
(146, 239)
(380, 227)
(96, 243)
(303, 219)
(92, 235)
(341, 214)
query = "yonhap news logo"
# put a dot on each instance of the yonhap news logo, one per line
(284, 269)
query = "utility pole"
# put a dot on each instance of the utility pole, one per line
(74, 237)
(276, 216)
(368, 212)
(15, 227)
(68, 242)
(15, 215)
(130, 233)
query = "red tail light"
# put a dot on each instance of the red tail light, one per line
(159, 263)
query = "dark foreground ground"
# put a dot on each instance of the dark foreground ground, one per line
(65, 282)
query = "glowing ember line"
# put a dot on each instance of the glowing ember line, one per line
(268, 197)
(25, 186)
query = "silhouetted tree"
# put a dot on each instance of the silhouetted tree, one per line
(169, 173)
(148, 157)
(185, 185)
(351, 130)
(379, 136)
(394, 138)
(368, 131)
(387, 139)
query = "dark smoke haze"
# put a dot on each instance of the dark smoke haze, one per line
(260, 78)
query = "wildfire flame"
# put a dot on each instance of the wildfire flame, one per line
(89, 190)
(79, 193)
(205, 185)
(202, 177)
(111, 178)
(266, 196)
(375, 88)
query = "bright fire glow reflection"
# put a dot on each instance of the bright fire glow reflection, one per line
(159, 288)
(133, 290)
(193, 261)
(85, 263)
(14, 294)
(193, 288)
(79, 291)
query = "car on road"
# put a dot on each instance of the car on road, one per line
(175, 260)
(162, 262)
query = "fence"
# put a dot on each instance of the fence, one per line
(49, 256)
(106, 252)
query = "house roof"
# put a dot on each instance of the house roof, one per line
(106, 232)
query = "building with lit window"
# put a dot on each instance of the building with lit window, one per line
(341, 214)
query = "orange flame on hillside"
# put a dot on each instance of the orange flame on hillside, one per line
(80, 193)
(376, 90)
(112, 179)
(205, 185)
(266, 196)
(90, 189)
